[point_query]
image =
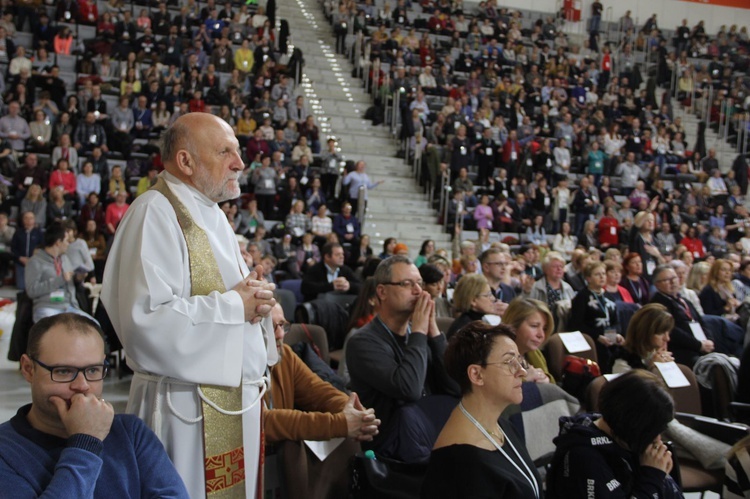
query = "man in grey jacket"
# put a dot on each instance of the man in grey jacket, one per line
(49, 276)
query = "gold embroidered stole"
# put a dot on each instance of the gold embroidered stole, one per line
(222, 434)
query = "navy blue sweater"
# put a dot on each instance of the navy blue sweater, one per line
(130, 462)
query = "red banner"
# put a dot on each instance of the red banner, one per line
(742, 4)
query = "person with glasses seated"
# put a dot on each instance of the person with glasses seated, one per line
(396, 362)
(478, 454)
(473, 300)
(683, 342)
(68, 442)
(301, 406)
(494, 268)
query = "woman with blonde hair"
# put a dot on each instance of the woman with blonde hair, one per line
(643, 243)
(698, 276)
(533, 323)
(473, 300)
(647, 338)
(717, 297)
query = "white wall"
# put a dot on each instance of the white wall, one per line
(669, 13)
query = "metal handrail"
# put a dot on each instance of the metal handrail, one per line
(443, 209)
(361, 202)
(396, 107)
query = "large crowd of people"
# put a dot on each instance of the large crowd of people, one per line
(611, 224)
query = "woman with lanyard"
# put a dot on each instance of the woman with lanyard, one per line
(633, 282)
(477, 454)
(594, 314)
(643, 243)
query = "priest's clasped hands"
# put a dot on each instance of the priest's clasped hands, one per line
(257, 295)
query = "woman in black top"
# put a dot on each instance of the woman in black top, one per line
(594, 314)
(633, 281)
(647, 338)
(476, 455)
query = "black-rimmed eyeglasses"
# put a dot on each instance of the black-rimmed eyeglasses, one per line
(406, 283)
(66, 374)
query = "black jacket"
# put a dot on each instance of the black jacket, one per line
(587, 463)
(682, 343)
(315, 281)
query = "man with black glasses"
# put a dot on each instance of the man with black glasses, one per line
(68, 441)
(494, 265)
(396, 364)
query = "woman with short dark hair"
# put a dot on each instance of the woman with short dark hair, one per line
(620, 452)
(477, 454)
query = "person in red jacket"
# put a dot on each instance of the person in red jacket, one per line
(694, 244)
(88, 12)
(609, 229)
(63, 177)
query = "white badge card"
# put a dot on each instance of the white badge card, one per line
(57, 296)
(491, 319)
(697, 330)
(574, 342)
(673, 376)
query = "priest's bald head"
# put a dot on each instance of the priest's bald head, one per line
(200, 149)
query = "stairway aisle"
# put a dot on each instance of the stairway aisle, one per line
(397, 208)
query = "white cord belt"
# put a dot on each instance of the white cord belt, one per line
(262, 383)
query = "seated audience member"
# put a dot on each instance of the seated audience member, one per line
(612, 289)
(49, 276)
(68, 442)
(346, 226)
(329, 275)
(718, 296)
(620, 453)
(533, 323)
(552, 289)
(304, 406)
(647, 339)
(473, 300)
(78, 251)
(434, 283)
(594, 314)
(495, 263)
(397, 359)
(574, 274)
(633, 281)
(478, 454)
(685, 347)
(308, 253)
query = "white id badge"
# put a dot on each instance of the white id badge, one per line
(697, 330)
(650, 267)
(57, 296)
